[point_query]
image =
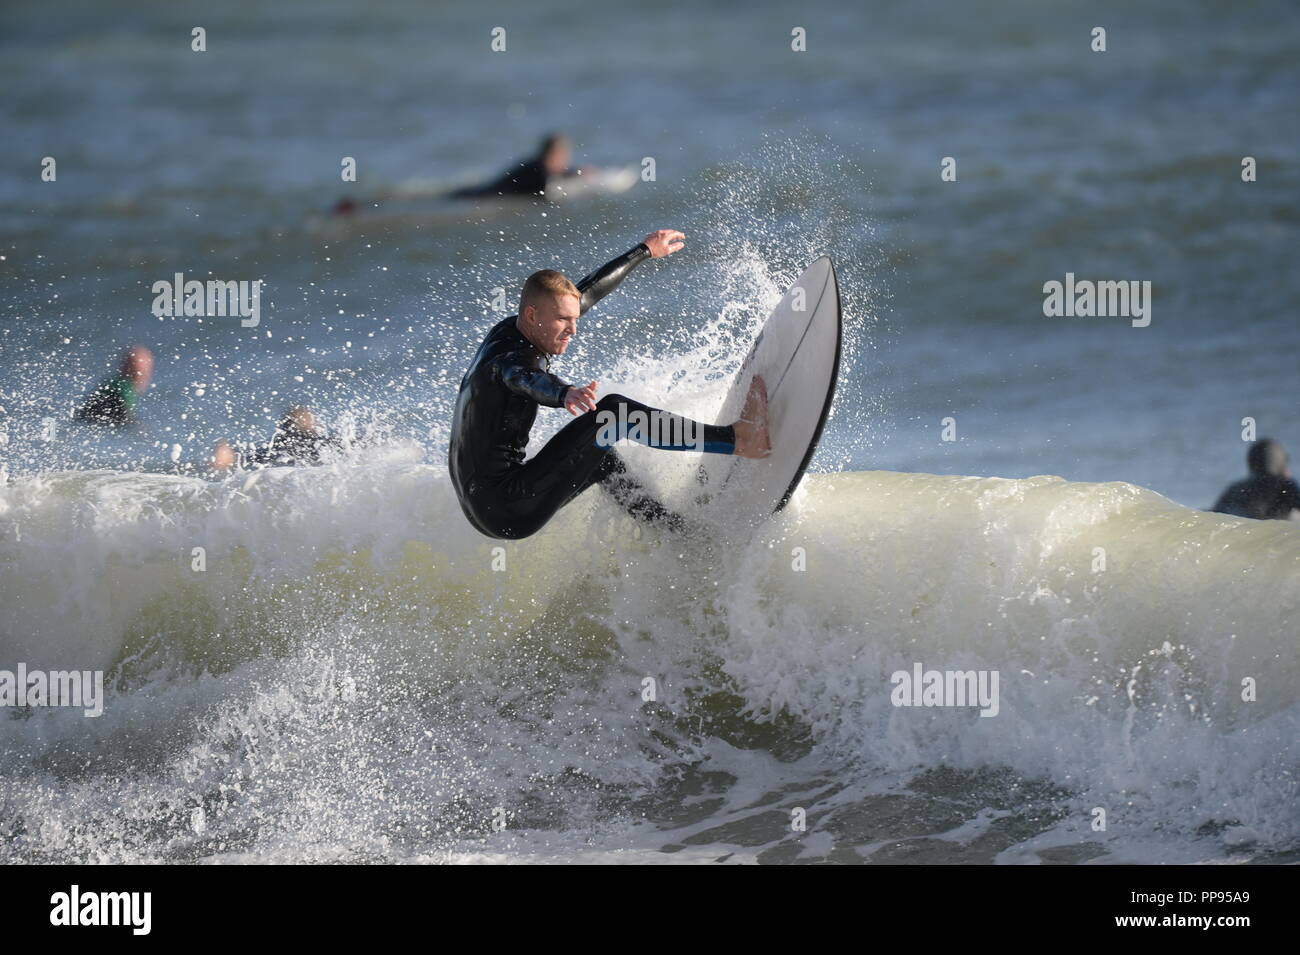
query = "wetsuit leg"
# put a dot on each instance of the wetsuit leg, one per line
(582, 454)
(633, 497)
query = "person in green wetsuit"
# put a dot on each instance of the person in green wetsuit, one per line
(113, 401)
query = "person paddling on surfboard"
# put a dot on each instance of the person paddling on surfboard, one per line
(530, 177)
(503, 495)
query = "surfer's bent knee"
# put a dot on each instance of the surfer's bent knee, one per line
(610, 401)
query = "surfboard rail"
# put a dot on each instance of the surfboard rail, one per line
(834, 281)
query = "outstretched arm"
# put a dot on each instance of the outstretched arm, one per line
(608, 277)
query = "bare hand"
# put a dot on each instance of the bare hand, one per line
(664, 242)
(577, 400)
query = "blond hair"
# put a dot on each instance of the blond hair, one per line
(546, 282)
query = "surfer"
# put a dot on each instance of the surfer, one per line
(1269, 492)
(112, 402)
(529, 177)
(298, 441)
(505, 497)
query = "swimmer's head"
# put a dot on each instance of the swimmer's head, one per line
(137, 367)
(549, 307)
(1267, 457)
(299, 419)
(556, 153)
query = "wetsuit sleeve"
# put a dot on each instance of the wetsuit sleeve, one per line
(541, 386)
(607, 278)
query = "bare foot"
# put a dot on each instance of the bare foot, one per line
(751, 430)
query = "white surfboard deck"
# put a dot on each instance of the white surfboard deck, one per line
(798, 355)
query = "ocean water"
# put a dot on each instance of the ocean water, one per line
(350, 679)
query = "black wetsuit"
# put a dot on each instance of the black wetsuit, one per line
(1268, 494)
(1262, 496)
(504, 496)
(295, 447)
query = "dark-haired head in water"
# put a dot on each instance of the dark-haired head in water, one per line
(1269, 492)
(113, 401)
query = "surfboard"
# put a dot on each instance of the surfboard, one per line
(798, 354)
(597, 182)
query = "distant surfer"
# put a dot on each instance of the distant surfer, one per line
(505, 496)
(1269, 492)
(531, 176)
(112, 403)
(299, 441)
